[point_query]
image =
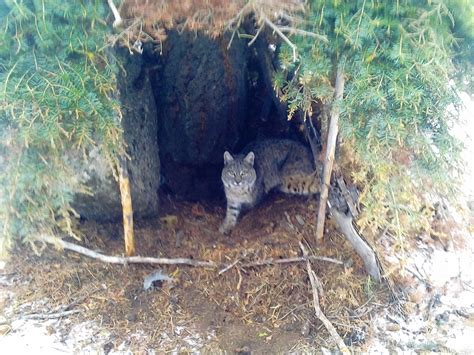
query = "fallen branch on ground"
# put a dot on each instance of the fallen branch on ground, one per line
(42, 316)
(120, 259)
(272, 261)
(317, 309)
(173, 261)
(363, 249)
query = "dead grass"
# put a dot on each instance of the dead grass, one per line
(267, 308)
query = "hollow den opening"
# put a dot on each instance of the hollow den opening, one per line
(202, 96)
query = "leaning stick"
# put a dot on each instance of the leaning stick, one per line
(317, 309)
(127, 210)
(330, 150)
(121, 259)
(291, 260)
(118, 20)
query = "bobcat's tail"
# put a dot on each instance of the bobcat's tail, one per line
(301, 184)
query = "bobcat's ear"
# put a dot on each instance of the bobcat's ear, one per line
(227, 157)
(250, 158)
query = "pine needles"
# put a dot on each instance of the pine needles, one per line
(401, 97)
(56, 98)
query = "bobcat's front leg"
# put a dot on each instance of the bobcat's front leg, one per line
(232, 213)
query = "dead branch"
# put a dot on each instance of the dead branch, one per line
(291, 260)
(118, 19)
(281, 35)
(330, 150)
(360, 246)
(297, 31)
(228, 267)
(43, 316)
(256, 35)
(120, 259)
(172, 261)
(127, 210)
(317, 309)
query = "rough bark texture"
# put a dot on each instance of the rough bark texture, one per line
(201, 93)
(140, 132)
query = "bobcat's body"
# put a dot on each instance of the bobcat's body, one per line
(266, 165)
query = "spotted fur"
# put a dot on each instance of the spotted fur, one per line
(266, 165)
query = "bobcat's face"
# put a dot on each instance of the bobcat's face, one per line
(238, 174)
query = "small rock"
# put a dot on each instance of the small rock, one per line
(393, 327)
(306, 329)
(300, 220)
(442, 317)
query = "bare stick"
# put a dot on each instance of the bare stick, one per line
(127, 210)
(297, 31)
(50, 315)
(120, 259)
(361, 247)
(330, 150)
(317, 309)
(118, 20)
(228, 267)
(282, 36)
(256, 35)
(291, 260)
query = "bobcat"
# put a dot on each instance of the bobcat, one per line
(266, 165)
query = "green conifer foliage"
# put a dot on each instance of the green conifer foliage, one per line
(404, 64)
(56, 86)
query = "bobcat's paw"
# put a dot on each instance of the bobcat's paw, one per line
(225, 228)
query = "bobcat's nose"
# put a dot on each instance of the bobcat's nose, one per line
(238, 180)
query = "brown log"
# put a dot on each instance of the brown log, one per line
(127, 210)
(330, 150)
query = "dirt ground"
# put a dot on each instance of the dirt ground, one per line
(259, 310)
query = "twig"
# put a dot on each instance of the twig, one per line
(256, 35)
(228, 267)
(120, 259)
(297, 31)
(118, 20)
(330, 150)
(50, 315)
(272, 261)
(317, 309)
(282, 35)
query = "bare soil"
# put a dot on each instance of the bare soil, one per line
(264, 309)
